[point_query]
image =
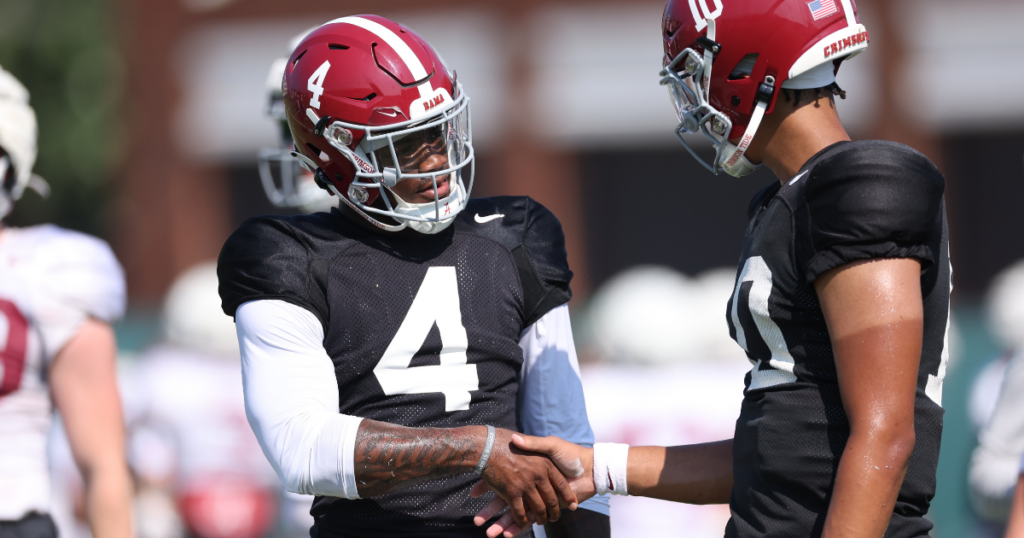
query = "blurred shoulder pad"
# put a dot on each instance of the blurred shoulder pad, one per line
(80, 270)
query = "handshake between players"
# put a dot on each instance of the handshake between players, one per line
(379, 338)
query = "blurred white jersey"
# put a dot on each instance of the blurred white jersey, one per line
(51, 281)
(189, 436)
(188, 422)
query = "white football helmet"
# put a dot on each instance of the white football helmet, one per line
(285, 181)
(18, 133)
(1004, 305)
(192, 317)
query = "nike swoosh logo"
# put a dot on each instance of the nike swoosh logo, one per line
(488, 218)
(797, 178)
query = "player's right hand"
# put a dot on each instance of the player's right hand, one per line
(526, 481)
(573, 461)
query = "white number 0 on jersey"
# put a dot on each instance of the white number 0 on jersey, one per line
(436, 301)
(755, 270)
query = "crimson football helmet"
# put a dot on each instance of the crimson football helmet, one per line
(367, 101)
(755, 48)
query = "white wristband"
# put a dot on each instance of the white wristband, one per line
(610, 462)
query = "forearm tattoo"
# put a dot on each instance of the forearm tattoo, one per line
(388, 455)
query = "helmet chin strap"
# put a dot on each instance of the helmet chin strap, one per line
(426, 210)
(709, 59)
(430, 209)
(360, 212)
(735, 164)
(732, 161)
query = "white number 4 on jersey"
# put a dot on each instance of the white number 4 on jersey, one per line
(436, 301)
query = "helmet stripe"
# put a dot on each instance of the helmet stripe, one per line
(399, 46)
(848, 11)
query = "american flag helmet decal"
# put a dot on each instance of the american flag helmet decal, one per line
(822, 8)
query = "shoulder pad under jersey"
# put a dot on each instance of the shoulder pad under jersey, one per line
(534, 237)
(272, 257)
(870, 199)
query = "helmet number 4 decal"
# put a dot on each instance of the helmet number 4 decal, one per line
(701, 16)
(316, 84)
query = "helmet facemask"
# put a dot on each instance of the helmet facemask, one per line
(10, 188)
(7, 175)
(445, 133)
(688, 78)
(288, 184)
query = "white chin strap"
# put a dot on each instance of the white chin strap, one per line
(709, 59)
(344, 199)
(447, 205)
(732, 161)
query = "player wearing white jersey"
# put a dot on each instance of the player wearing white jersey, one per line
(59, 291)
(190, 442)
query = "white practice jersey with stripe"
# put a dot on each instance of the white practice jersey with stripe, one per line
(51, 281)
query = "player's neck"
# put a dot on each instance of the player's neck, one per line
(797, 132)
(361, 222)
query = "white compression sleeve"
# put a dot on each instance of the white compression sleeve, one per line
(291, 399)
(550, 390)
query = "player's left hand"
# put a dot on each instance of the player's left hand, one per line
(574, 461)
(526, 481)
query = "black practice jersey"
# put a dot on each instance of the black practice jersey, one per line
(423, 330)
(851, 201)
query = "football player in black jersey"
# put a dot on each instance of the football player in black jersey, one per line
(392, 347)
(841, 298)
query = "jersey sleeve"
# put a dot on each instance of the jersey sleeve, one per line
(291, 400)
(880, 201)
(266, 259)
(83, 279)
(543, 263)
(551, 398)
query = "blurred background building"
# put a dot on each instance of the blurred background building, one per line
(152, 112)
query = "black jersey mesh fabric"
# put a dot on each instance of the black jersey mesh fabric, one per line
(370, 291)
(791, 433)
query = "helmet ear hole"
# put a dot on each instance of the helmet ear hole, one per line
(744, 67)
(297, 58)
